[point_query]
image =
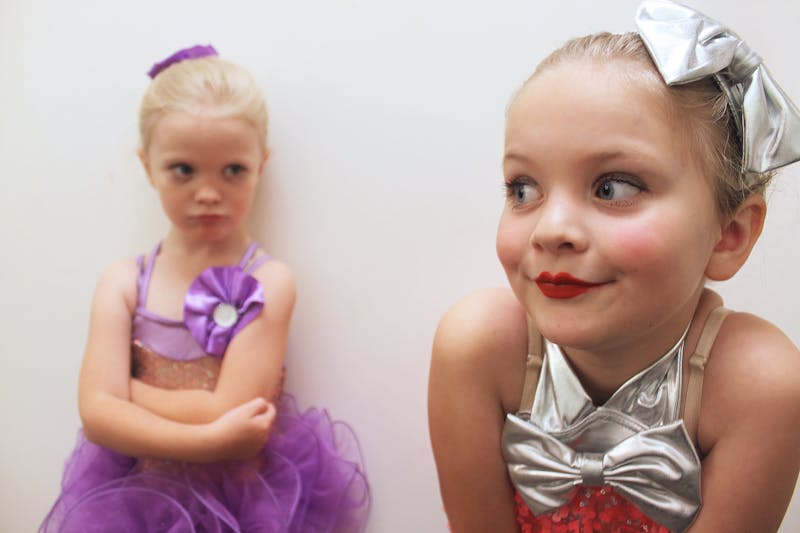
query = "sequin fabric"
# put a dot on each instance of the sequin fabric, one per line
(591, 510)
(167, 373)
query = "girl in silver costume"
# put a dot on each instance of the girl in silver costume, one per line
(609, 389)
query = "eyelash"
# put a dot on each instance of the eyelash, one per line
(234, 171)
(514, 187)
(181, 171)
(625, 180)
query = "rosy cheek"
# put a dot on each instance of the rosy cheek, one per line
(510, 244)
(638, 244)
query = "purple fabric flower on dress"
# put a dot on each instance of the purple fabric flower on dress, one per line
(219, 303)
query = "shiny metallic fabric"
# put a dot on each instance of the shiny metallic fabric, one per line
(635, 442)
(687, 46)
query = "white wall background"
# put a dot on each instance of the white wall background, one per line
(383, 192)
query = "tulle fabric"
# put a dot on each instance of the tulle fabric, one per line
(308, 478)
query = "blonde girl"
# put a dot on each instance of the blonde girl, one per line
(608, 389)
(185, 426)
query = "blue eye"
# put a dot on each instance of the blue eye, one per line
(182, 171)
(521, 192)
(615, 189)
(234, 170)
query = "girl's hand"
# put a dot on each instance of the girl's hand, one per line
(242, 431)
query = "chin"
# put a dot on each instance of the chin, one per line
(571, 331)
(214, 234)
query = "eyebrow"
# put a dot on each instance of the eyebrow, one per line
(514, 156)
(595, 157)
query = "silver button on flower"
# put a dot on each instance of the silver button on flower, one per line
(225, 315)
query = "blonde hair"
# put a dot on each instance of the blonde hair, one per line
(701, 107)
(208, 84)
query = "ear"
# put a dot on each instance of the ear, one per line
(146, 165)
(739, 234)
(267, 153)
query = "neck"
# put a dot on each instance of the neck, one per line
(603, 371)
(203, 253)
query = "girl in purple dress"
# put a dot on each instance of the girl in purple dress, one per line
(185, 426)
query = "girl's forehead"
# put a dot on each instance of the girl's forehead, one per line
(588, 92)
(187, 130)
(202, 122)
(590, 110)
(589, 76)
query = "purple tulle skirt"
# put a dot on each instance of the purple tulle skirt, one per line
(308, 478)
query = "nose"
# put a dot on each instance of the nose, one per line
(207, 193)
(560, 225)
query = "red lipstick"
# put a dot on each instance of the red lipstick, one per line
(563, 285)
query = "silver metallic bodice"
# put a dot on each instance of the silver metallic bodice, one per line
(635, 442)
(563, 409)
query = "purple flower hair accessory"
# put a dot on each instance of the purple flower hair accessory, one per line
(219, 303)
(194, 52)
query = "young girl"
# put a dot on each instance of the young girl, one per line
(184, 424)
(580, 400)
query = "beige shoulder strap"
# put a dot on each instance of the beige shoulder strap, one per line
(533, 367)
(697, 366)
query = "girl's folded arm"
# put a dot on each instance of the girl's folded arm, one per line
(111, 420)
(253, 362)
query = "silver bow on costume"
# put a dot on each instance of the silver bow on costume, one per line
(687, 46)
(656, 469)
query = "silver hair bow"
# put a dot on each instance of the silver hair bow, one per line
(657, 470)
(687, 46)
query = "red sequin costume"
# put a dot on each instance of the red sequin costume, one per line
(571, 462)
(592, 510)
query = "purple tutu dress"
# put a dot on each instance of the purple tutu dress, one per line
(309, 477)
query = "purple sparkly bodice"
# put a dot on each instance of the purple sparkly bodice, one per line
(178, 339)
(187, 354)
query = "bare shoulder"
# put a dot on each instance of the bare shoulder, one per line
(751, 350)
(118, 281)
(482, 324)
(484, 337)
(121, 272)
(278, 281)
(753, 371)
(484, 321)
(276, 276)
